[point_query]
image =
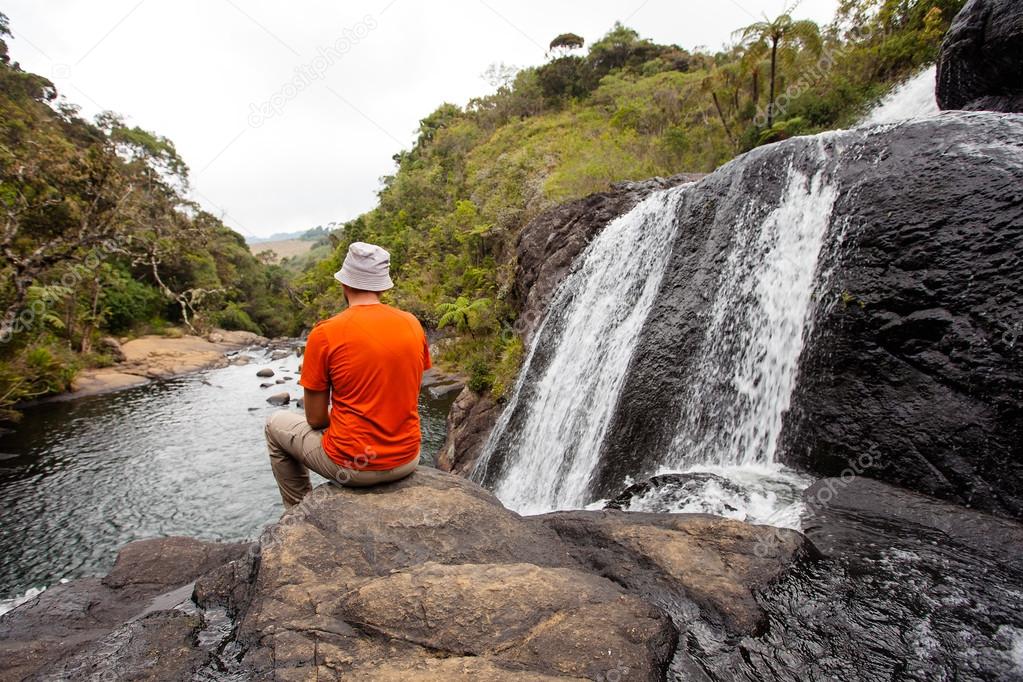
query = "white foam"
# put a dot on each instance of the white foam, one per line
(770, 494)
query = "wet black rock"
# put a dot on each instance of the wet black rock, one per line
(265, 372)
(118, 627)
(911, 588)
(667, 492)
(981, 57)
(916, 360)
(279, 399)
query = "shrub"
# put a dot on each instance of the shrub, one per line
(480, 377)
(234, 318)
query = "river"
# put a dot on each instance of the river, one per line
(186, 456)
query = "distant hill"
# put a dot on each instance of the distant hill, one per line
(305, 235)
(282, 248)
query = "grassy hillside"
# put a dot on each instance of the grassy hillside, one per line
(626, 109)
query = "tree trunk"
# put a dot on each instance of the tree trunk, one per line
(774, 67)
(728, 131)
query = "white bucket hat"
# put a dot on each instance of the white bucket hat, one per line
(366, 267)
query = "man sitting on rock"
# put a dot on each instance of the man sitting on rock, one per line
(366, 363)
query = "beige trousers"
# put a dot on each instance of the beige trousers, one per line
(295, 448)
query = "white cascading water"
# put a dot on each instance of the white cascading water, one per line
(746, 372)
(602, 305)
(731, 416)
(912, 99)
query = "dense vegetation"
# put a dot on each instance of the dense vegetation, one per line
(98, 238)
(626, 109)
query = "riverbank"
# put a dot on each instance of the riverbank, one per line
(150, 358)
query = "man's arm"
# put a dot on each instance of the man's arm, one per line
(316, 408)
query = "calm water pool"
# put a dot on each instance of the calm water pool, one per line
(81, 478)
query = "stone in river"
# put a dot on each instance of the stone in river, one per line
(265, 385)
(279, 381)
(265, 372)
(279, 398)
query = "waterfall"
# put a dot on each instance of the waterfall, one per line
(593, 322)
(732, 413)
(546, 449)
(914, 98)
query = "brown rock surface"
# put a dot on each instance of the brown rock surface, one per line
(427, 578)
(469, 422)
(717, 563)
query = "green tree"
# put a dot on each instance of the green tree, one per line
(566, 42)
(464, 315)
(773, 36)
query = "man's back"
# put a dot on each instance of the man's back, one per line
(372, 358)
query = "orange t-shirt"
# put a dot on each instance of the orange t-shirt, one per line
(372, 359)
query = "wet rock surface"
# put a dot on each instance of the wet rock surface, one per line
(917, 366)
(279, 399)
(915, 358)
(911, 588)
(470, 420)
(669, 490)
(979, 67)
(122, 623)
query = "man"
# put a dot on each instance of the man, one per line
(367, 364)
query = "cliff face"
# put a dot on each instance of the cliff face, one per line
(979, 68)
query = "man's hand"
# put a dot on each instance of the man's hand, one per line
(316, 403)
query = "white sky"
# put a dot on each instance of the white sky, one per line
(193, 70)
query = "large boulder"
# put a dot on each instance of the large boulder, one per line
(79, 630)
(979, 68)
(434, 566)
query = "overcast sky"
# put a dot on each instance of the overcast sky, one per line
(348, 81)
